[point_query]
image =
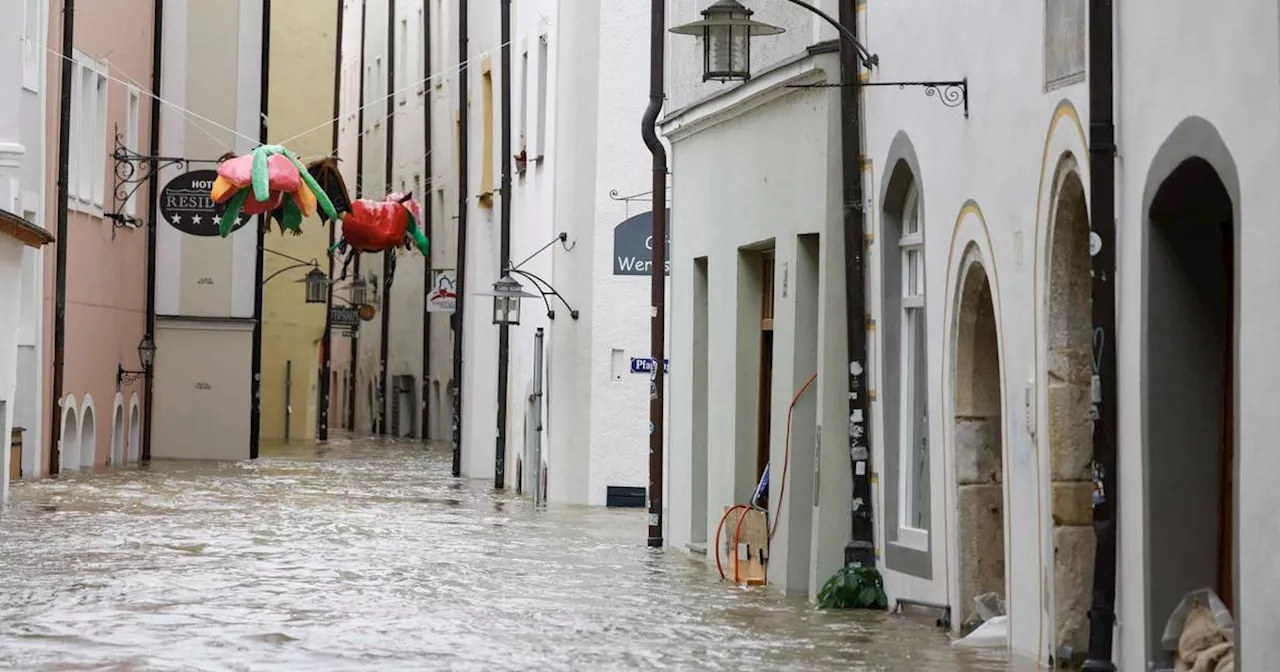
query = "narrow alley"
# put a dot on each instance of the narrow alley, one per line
(366, 554)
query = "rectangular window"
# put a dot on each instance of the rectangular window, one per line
(32, 52)
(132, 140)
(1065, 37)
(524, 100)
(98, 151)
(86, 120)
(540, 149)
(87, 150)
(437, 42)
(913, 456)
(402, 63)
(486, 158)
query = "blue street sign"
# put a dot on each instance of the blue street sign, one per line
(645, 365)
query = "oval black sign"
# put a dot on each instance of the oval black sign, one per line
(185, 204)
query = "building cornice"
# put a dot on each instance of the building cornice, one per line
(765, 87)
(204, 323)
(25, 232)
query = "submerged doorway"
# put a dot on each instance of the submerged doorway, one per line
(1068, 373)
(978, 437)
(765, 407)
(1189, 457)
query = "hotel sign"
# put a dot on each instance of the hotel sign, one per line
(633, 245)
(185, 204)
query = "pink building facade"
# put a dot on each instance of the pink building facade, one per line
(98, 420)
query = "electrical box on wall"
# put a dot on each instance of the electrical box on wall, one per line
(617, 365)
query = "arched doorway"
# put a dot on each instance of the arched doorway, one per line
(978, 439)
(1189, 382)
(1068, 372)
(117, 436)
(135, 433)
(88, 435)
(69, 441)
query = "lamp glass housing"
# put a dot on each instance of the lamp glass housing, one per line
(146, 352)
(317, 285)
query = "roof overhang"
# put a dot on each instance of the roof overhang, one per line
(25, 232)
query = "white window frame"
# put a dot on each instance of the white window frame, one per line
(911, 247)
(32, 51)
(87, 155)
(544, 55)
(132, 137)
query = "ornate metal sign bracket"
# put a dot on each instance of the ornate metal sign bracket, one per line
(130, 171)
(949, 93)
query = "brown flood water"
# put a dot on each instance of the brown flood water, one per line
(364, 554)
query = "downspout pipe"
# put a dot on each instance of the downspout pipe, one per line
(860, 550)
(657, 272)
(461, 263)
(428, 219)
(255, 385)
(1102, 217)
(388, 257)
(60, 286)
(326, 339)
(504, 251)
(153, 198)
(352, 399)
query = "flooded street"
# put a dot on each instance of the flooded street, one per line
(366, 555)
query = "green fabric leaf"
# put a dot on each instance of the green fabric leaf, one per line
(232, 212)
(258, 175)
(424, 245)
(292, 214)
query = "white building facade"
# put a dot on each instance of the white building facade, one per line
(579, 421)
(980, 344)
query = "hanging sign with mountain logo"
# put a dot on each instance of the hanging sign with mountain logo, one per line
(186, 205)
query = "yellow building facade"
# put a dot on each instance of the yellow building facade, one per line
(303, 42)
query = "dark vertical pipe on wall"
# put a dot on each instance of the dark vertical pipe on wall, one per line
(153, 199)
(428, 218)
(60, 282)
(352, 398)
(657, 272)
(389, 256)
(1102, 217)
(504, 250)
(288, 397)
(255, 389)
(461, 263)
(326, 340)
(860, 551)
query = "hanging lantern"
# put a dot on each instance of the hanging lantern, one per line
(506, 294)
(317, 285)
(726, 30)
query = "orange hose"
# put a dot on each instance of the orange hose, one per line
(735, 507)
(786, 454)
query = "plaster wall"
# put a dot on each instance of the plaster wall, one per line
(106, 266)
(731, 199)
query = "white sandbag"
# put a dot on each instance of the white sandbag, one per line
(990, 634)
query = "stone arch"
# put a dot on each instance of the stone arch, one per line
(88, 433)
(1068, 331)
(117, 431)
(1192, 203)
(69, 441)
(135, 429)
(977, 433)
(902, 331)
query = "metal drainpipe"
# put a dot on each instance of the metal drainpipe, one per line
(60, 286)
(389, 255)
(460, 264)
(860, 551)
(504, 251)
(352, 392)
(153, 198)
(428, 215)
(1102, 187)
(326, 339)
(255, 388)
(288, 394)
(657, 272)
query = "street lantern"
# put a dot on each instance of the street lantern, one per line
(506, 294)
(358, 292)
(317, 286)
(726, 30)
(146, 352)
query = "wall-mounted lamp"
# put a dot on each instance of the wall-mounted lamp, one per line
(146, 355)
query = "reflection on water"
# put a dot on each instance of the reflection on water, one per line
(365, 554)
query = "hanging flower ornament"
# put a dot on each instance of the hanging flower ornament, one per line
(267, 179)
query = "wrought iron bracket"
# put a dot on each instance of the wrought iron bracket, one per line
(949, 93)
(545, 289)
(130, 170)
(124, 377)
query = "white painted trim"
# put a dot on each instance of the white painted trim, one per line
(178, 323)
(118, 428)
(764, 89)
(69, 409)
(133, 449)
(87, 407)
